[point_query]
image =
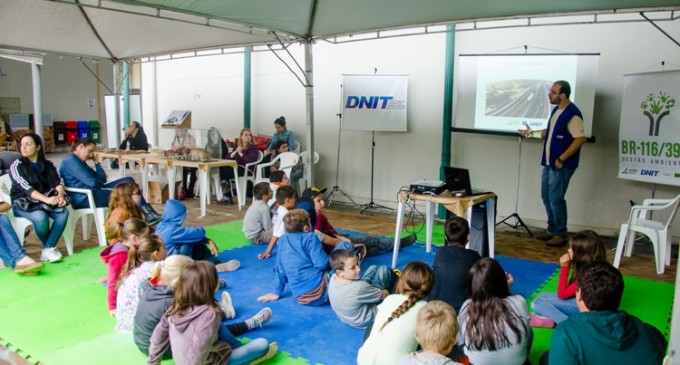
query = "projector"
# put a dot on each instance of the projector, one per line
(429, 187)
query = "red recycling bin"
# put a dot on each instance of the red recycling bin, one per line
(71, 131)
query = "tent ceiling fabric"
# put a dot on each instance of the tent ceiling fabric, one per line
(130, 28)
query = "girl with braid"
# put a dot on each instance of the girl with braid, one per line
(494, 324)
(393, 332)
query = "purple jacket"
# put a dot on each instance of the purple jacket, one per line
(193, 337)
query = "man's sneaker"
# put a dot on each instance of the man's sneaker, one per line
(51, 255)
(262, 317)
(556, 242)
(361, 252)
(542, 322)
(271, 352)
(227, 306)
(407, 241)
(231, 265)
(544, 236)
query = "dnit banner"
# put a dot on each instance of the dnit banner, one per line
(649, 134)
(374, 102)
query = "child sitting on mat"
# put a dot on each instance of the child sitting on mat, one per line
(285, 197)
(374, 245)
(436, 332)
(158, 297)
(135, 278)
(301, 262)
(452, 264)
(116, 255)
(355, 297)
(192, 324)
(392, 335)
(550, 308)
(189, 241)
(276, 180)
(257, 223)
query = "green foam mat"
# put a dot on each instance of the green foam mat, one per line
(61, 316)
(654, 309)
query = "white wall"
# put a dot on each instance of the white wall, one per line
(596, 197)
(66, 87)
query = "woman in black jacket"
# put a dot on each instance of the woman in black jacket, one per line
(38, 194)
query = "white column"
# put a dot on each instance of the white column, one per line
(37, 100)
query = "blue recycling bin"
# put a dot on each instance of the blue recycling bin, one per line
(83, 129)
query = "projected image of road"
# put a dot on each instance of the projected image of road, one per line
(518, 99)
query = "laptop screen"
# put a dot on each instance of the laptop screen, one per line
(457, 180)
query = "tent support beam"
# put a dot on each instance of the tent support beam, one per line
(659, 29)
(447, 115)
(247, 81)
(37, 99)
(309, 100)
(94, 31)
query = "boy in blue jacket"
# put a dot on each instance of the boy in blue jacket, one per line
(189, 241)
(301, 262)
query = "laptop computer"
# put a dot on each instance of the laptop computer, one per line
(458, 182)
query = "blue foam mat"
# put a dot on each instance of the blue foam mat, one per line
(315, 333)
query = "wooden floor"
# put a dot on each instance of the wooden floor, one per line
(509, 241)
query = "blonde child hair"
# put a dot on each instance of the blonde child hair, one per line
(169, 269)
(437, 327)
(416, 282)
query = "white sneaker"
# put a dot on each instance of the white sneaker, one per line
(2, 265)
(227, 306)
(51, 255)
(231, 265)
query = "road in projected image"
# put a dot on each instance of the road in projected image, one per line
(518, 99)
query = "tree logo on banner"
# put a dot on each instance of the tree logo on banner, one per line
(656, 108)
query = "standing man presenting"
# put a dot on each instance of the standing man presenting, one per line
(563, 140)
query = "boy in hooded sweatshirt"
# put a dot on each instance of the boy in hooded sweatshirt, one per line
(189, 241)
(601, 333)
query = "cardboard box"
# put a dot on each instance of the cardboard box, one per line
(158, 192)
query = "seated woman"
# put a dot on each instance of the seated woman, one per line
(38, 195)
(494, 324)
(76, 173)
(282, 133)
(217, 148)
(244, 153)
(185, 141)
(11, 251)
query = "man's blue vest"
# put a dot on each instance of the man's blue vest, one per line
(561, 138)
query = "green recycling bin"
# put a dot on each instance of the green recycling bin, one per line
(95, 132)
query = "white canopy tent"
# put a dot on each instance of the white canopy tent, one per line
(126, 29)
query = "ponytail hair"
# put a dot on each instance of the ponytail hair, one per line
(169, 269)
(139, 254)
(416, 281)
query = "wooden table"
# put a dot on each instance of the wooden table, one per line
(461, 206)
(203, 175)
(120, 156)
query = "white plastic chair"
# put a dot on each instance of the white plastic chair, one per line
(658, 232)
(304, 157)
(249, 175)
(99, 215)
(288, 160)
(19, 223)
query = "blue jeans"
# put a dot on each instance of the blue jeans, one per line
(198, 251)
(551, 306)
(381, 277)
(101, 195)
(41, 224)
(242, 353)
(11, 250)
(554, 185)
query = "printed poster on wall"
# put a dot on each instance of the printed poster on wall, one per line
(374, 102)
(649, 134)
